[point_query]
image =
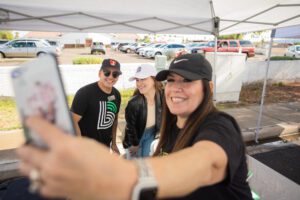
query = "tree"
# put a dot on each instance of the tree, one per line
(7, 35)
(232, 36)
(16, 35)
(146, 39)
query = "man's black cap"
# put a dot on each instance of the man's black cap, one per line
(189, 66)
(110, 63)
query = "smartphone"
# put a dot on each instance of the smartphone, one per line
(39, 91)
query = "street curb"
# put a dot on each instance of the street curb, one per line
(267, 132)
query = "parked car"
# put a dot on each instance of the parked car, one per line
(98, 48)
(263, 50)
(138, 50)
(122, 44)
(114, 45)
(27, 48)
(167, 50)
(56, 43)
(293, 51)
(142, 45)
(230, 46)
(194, 47)
(128, 48)
(144, 51)
(3, 41)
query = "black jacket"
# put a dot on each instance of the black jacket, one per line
(136, 118)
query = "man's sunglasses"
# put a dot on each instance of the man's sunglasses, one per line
(115, 74)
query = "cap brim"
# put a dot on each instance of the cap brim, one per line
(139, 77)
(162, 75)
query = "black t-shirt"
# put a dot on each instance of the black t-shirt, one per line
(97, 110)
(223, 130)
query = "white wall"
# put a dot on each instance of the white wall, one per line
(284, 71)
(74, 77)
(79, 38)
(77, 76)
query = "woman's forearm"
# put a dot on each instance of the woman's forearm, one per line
(180, 173)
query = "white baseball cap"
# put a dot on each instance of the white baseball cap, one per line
(144, 71)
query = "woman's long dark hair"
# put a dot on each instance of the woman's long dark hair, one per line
(192, 124)
(157, 85)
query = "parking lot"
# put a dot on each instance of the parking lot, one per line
(69, 54)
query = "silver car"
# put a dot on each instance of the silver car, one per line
(167, 50)
(27, 48)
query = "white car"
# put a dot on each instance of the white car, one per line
(27, 48)
(142, 51)
(293, 51)
(263, 50)
(166, 50)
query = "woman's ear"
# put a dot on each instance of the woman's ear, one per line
(211, 86)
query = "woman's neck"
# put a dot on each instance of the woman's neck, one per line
(181, 122)
(150, 96)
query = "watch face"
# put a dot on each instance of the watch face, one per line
(148, 193)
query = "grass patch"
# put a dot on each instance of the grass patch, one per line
(87, 60)
(125, 95)
(9, 117)
(283, 58)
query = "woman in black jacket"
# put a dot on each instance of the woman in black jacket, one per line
(143, 112)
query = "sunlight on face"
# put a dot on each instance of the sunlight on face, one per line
(183, 96)
(108, 81)
(145, 85)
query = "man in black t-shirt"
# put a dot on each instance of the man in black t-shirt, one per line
(96, 106)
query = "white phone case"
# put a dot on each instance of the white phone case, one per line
(39, 91)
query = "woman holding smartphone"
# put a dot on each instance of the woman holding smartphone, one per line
(200, 155)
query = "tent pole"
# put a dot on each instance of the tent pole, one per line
(263, 91)
(214, 71)
(216, 34)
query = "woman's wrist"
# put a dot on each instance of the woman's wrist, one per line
(129, 177)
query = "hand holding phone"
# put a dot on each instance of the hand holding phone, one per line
(39, 92)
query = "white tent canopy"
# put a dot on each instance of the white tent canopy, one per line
(287, 32)
(148, 16)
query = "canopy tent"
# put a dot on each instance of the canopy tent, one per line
(149, 16)
(287, 32)
(215, 17)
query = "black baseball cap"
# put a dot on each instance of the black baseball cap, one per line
(110, 63)
(190, 66)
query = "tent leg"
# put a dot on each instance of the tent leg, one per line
(263, 93)
(214, 72)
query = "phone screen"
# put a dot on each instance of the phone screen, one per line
(39, 91)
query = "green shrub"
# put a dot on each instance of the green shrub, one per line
(126, 94)
(279, 84)
(87, 60)
(283, 58)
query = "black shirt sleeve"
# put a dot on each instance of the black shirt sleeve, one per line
(222, 130)
(80, 102)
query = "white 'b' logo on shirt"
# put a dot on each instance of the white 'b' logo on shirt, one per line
(107, 115)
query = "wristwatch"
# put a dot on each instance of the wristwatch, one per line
(146, 187)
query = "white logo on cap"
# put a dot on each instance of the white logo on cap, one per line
(177, 61)
(139, 69)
